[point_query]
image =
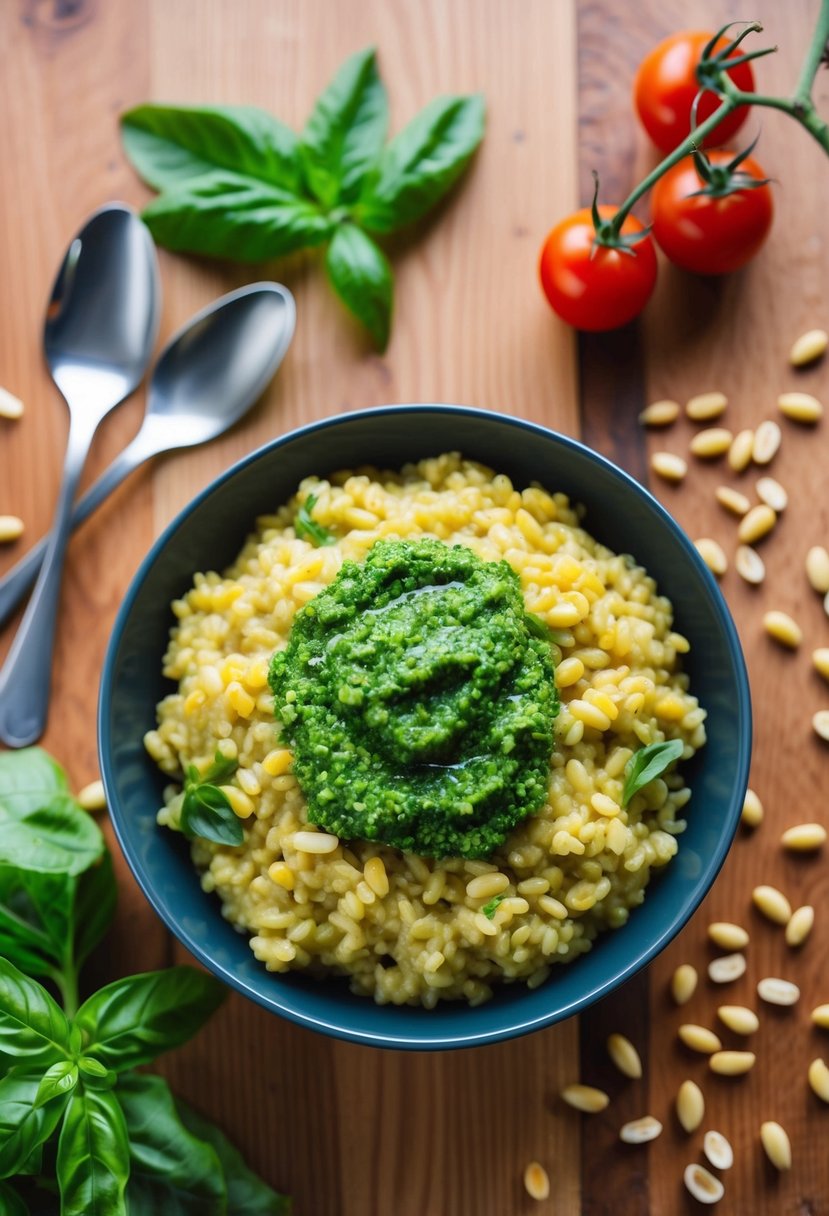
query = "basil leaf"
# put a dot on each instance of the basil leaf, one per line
(246, 1192)
(131, 1021)
(222, 214)
(171, 1171)
(10, 1202)
(32, 1025)
(362, 277)
(221, 768)
(41, 825)
(206, 812)
(421, 163)
(95, 901)
(307, 528)
(648, 763)
(491, 908)
(23, 1126)
(168, 145)
(36, 914)
(93, 1156)
(56, 1082)
(345, 133)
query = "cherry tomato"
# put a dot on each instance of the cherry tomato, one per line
(666, 85)
(592, 286)
(705, 233)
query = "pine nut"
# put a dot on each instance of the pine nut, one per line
(819, 1079)
(820, 658)
(712, 554)
(775, 991)
(668, 466)
(10, 406)
(659, 413)
(705, 406)
(585, 1098)
(732, 500)
(92, 797)
(639, 1131)
(749, 565)
(772, 494)
(752, 812)
(727, 968)
(767, 439)
(485, 886)
(732, 1063)
(699, 1038)
(314, 842)
(804, 837)
(624, 1055)
(781, 627)
(773, 904)
(800, 407)
(728, 936)
(820, 1016)
(718, 1150)
(739, 1019)
(374, 872)
(820, 721)
(777, 1145)
(817, 568)
(690, 1106)
(11, 528)
(713, 442)
(683, 983)
(800, 926)
(702, 1184)
(758, 523)
(537, 1181)
(808, 347)
(741, 451)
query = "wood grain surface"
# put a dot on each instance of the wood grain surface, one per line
(350, 1131)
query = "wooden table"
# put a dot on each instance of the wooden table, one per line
(347, 1130)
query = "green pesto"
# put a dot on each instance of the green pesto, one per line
(419, 701)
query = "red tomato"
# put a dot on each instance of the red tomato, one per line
(705, 233)
(666, 85)
(593, 286)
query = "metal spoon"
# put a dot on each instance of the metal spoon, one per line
(209, 375)
(100, 328)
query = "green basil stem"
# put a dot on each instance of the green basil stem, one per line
(67, 982)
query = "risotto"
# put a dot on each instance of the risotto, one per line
(407, 928)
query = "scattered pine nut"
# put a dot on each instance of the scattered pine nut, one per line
(741, 451)
(624, 1055)
(749, 565)
(727, 968)
(752, 812)
(705, 406)
(659, 413)
(732, 500)
(804, 837)
(781, 627)
(11, 407)
(808, 347)
(777, 1145)
(819, 1079)
(711, 443)
(718, 1150)
(820, 1016)
(699, 1038)
(11, 528)
(820, 658)
(820, 721)
(728, 936)
(712, 554)
(732, 1063)
(690, 1106)
(702, 1184)
(92, 797)
(773, 904)
(639, 1131)
(772, 494)
(800, 407)
(537, 1181)
(758, 523)
(314, 842)
(683, 983)
(585, 1098)
(817, 568)
(767, 439)
(775, 991)
(739, 1019)
(800, 926)
(668, 466)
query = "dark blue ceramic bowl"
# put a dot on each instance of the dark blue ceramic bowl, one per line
(209, 533)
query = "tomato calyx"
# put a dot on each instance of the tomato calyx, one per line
(713, 66)
(722, 180)
(608, 232)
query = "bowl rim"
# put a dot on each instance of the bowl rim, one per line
(280, 1002)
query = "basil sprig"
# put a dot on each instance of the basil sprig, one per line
(307, 528)
(237, 183)
(647, 764)
(78, 1127)
(205, 810)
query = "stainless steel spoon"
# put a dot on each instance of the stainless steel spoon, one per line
(206, 378)
(101, 324)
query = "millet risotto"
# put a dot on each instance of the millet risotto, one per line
(425, 674)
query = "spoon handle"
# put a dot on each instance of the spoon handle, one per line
(17, 581)
(26, 676)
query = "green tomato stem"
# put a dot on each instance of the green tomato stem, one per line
(814, 55)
